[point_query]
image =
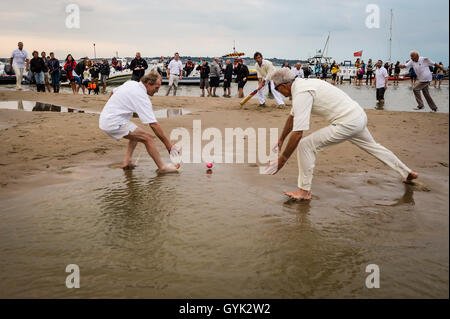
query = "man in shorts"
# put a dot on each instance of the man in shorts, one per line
(227, 78)
(174, 74)
(204, 77)
(214, 76)
(104, 73)
(134, 97)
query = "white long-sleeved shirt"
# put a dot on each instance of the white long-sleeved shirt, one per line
(330, 102)
(265, 70)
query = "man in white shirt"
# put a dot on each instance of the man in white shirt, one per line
(264, 70)
(421, 66)
(19, 61)
(348, 122)
(380, 82)
(297, 70)
(174, 74)
(133, 97)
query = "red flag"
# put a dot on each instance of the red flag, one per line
(357, 53)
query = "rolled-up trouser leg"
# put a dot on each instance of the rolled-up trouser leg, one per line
(366, 142)
(276, 94)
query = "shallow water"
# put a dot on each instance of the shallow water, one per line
(226, 234)
(31, 106)
(399, 98)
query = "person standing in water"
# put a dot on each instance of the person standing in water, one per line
(227, 78)
(174, 74)
(348, 122)
(380, 82)
(421, 66)
(134, 97)
(369, 72)
(241, 71)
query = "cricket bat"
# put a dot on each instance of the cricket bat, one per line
(248, 97)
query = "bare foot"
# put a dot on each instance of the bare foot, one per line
(299, 194)
(129, 166)
(411, 176)
(168, 169)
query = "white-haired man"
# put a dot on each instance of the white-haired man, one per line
(297, 70)
(264, 70)
(134, 97)
(348, 122)
(421, 66)
(19, 62)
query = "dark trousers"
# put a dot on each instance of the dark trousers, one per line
(56, 80)
(380, 94)
(423, 86)
(369, 77)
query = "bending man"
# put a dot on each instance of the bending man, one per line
(348, 122)
(133, 97)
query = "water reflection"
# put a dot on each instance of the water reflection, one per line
(31, 106)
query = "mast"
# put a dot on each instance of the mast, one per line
(326, 43)
(390, 39)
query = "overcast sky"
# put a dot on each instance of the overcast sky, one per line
(278, 28)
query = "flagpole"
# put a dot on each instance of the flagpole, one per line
(390, 40)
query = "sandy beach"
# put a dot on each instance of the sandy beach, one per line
(230, 234)
(37, 142)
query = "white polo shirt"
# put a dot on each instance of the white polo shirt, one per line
(298, 73)
(380, 75)
(323, 99)
(131, 97)
(175, 67)
(422, 69)
(19, 58)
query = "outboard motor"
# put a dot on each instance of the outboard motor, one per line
(9, 70)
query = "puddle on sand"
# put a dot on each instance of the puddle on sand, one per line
(169, 113)
(31, 106)
(137, 234)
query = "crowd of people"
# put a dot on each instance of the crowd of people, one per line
(87, 75)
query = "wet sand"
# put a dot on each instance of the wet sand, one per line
(37, 142)
(228, 234)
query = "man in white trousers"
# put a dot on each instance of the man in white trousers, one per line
(264, 70)
(19, 62)
(348, 123)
